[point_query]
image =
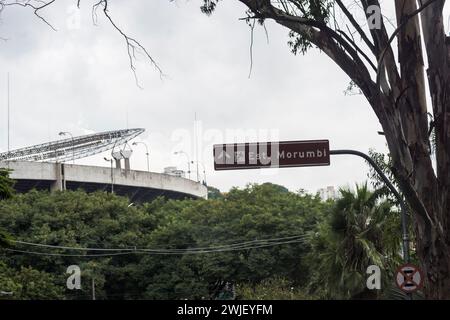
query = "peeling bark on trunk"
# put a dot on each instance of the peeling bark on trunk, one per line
(435, 252)
(401, 108)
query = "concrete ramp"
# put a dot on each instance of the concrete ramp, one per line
(139, 186)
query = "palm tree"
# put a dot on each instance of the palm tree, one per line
(362, 229)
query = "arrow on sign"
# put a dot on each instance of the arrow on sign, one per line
(281, 154)
(222, 154)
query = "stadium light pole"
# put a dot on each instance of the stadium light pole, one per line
(147, 154)
(112, 173)
(189, 161)
(63, 133)
(204, 170)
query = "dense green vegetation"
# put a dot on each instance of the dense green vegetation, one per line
(6, 184)
(322, 251)
(360, 231)
(6, 192)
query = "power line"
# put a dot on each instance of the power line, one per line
(67, 255)
(239, 244)
(243, 246)
(247, 247)
(69, 248)
(148, 252)
(8, 93)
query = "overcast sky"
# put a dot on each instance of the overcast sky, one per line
(78, 79)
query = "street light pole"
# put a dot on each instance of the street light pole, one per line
(189, 170)
(112, 174)
(204, 171)
(189, 161)
(147, 154)
(93, 288)
(73, 145)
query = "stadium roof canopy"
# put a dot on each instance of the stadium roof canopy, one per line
(73, 148)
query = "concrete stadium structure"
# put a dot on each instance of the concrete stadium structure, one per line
(139, 186)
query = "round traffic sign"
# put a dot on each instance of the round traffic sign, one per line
(409, 278)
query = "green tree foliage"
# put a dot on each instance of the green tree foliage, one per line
(78, 220)
(336, 243)
(255, 213)
(313, 10)
(214, 193)
(385, 163)
(6, 192)
(271, 289)
(6, 184)
(362, 230)
(28, 283)
(102, 220)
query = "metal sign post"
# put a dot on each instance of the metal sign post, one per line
(306, 154)
(297, 154)
(404, 212)
(409, 278)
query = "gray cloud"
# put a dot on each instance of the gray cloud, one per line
(79, 80)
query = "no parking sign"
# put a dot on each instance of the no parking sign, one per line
(409, 278)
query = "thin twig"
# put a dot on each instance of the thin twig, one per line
(132, 45)
(252, 27)
(266, 32)
(34, 7)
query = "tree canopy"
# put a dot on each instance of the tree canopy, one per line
(393, 82)
(387, 65)
(101, 220)
(252, 239)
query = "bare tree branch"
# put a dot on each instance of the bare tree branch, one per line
(252, 29)
(133, 45)
(356, 25)
(28, 3)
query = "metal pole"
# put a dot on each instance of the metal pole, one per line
(204, 171)
(73, 148)
(8, 113)
(196, 144)
(189, 161)
(147, 154)
(63, 133)
(189, 169)
(404, 212)
(198, 174)
(93, 289)
(112, 177)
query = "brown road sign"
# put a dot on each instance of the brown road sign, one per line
(271, 154)
(409, 278)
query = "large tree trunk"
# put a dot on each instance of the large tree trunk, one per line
(398, 98)
(407, 134)
(434, 250)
